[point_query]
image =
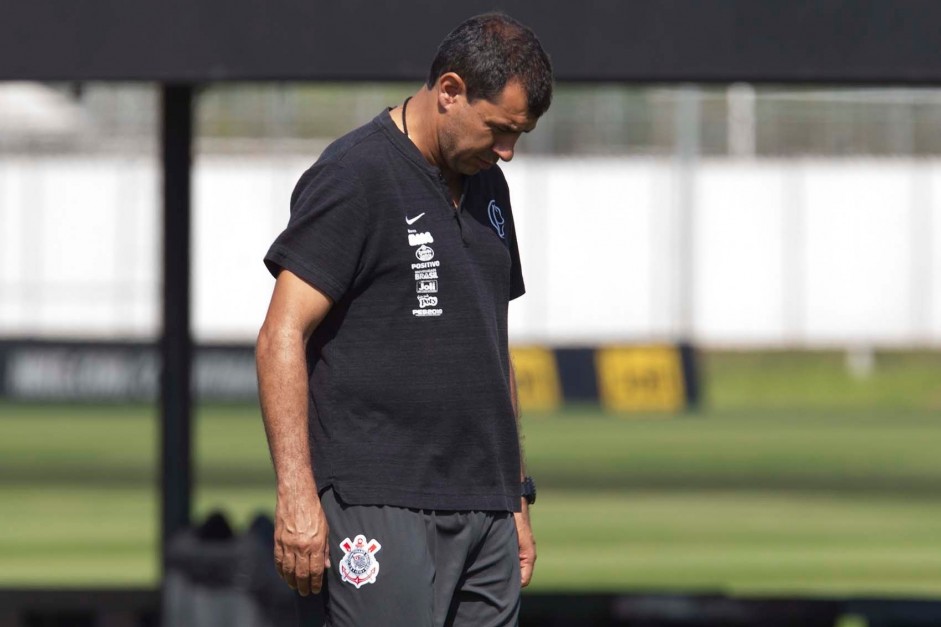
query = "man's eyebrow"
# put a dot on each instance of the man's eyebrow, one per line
(510, 127)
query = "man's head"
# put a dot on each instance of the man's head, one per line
(487, 52)
(492, 80)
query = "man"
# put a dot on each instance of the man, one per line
(386, 388)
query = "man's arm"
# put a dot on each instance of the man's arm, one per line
(301, 547)
(523, 528)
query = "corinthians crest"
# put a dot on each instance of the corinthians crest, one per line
(359, 565)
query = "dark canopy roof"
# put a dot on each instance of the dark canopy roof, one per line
(830, 41)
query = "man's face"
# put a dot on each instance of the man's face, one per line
(475, 135)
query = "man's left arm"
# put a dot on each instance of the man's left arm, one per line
(523, 528)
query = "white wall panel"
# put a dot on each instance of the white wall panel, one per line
(599, 251)
(857, 248)
(14, 175)
(931, 285)
(738, 276)
(76, 260)
(799, 252)
(78, 230)
(240, 206)
(586, 246)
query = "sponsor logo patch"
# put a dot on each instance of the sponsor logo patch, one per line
(426, 287)
(426, 277)
(496, 218)
(410, 221)
(417, 239)
(359, 565)
(425, 253)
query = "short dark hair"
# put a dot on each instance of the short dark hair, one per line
(488, 51)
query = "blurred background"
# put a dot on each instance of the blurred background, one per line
(788, 235)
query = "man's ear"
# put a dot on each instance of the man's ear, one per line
(451, 89)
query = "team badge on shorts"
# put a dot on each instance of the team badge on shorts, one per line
(359, 564)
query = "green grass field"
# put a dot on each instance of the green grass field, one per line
(795, 479)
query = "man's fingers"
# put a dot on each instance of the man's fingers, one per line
(279, 559)
(526, 571)
(318, 566)
(287, 568)
(527, 546)
(301, 571)
(300, 537)
(526, 576)
(316, 570)
(316, 581)
(527, 561)
(302, 574)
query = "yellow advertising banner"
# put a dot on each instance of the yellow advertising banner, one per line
(640, 378)
(537, 378)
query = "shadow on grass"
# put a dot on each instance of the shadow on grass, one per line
(112, 477)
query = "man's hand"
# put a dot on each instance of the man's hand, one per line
(301, 541)
(527, 545)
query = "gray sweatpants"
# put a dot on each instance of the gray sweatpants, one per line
(397, 567)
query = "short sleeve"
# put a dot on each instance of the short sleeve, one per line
(326, 233)
(517, 286)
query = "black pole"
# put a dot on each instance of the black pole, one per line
(176, 344)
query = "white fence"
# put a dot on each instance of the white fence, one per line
(784, 253)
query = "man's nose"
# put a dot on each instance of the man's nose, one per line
(503, 148)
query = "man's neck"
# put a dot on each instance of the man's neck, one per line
(421, 111)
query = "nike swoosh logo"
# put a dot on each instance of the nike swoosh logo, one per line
(412, 221)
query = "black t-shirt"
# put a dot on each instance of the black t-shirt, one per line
(409, 371)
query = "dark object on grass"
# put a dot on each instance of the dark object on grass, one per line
(216, 578)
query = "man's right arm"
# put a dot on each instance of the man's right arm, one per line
(301, 533)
